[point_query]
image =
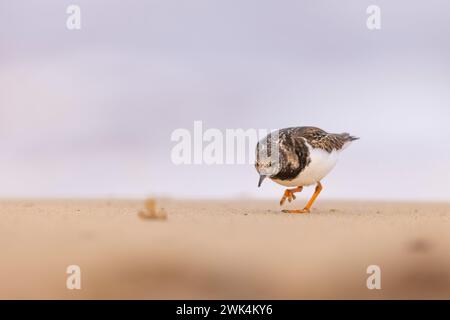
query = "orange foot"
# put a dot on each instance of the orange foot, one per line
(289, 195)
(310, 202)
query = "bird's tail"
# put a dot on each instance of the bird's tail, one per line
(347, 137)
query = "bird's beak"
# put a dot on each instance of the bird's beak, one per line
(261, 179)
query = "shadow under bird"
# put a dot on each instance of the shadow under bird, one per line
(299, 157)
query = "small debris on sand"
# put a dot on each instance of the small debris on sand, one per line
(150, 211)
(420, 246)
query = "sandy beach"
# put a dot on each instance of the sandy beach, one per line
(223, 250)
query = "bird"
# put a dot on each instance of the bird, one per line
(299, 157)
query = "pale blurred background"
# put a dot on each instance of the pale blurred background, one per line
(89, 113)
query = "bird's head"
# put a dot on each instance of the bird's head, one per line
(267, 159)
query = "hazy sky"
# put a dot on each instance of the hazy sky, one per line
(90, 112)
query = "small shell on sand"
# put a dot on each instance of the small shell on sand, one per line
(150, 211)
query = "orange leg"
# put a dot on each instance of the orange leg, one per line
(289, 194)
(310, 202)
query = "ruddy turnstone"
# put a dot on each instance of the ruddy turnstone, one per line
(298, 157)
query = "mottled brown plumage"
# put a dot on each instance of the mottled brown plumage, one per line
(319, 138)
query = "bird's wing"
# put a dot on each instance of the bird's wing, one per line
(319, 138)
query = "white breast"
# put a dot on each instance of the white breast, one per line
(320, 165)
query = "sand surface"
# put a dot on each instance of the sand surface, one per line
(223, 249)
